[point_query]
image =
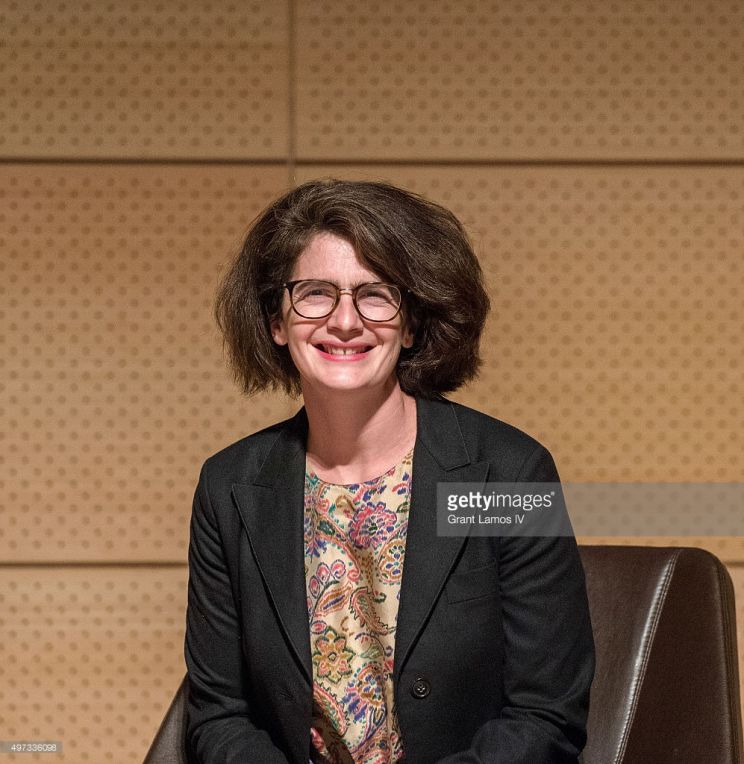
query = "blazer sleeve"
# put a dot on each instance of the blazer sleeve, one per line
(219, 729)
(549, 649)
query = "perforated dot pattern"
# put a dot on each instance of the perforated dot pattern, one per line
(164, 79)
(112, 375)
(87, 657)
(480, 79)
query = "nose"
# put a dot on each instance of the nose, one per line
(345, 316)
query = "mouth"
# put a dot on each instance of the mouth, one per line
(339, 352)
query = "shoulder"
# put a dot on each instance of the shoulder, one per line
(238, 461)
(478, 421)
(509, 449)
(477, 426)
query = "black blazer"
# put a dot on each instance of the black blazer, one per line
(494, 654)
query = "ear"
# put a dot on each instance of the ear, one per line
(411, 326)
(278, 331)
(409, 333)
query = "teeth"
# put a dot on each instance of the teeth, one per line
(341, 351)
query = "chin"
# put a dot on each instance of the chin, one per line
(344, 385)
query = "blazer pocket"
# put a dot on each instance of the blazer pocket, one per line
(473, 584)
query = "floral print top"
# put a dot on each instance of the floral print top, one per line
(355, 537)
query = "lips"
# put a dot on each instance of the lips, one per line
(351, 352)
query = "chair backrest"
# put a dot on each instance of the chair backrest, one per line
(169, 745)
(666, 687)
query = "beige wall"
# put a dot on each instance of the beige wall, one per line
(594, 150)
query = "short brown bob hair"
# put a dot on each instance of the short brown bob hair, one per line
(405, 239)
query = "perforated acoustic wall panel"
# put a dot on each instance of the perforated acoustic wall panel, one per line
(114, 387)
(163, 79)
(480, 79)
(88, 657)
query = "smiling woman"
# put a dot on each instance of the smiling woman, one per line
(327, 620)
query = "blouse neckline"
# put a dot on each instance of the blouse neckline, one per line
(313, 475)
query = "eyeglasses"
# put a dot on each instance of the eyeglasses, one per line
(374, 301)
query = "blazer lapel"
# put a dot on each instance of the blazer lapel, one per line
(440, 455)
(272, 511)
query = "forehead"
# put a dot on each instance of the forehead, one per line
(332, 258)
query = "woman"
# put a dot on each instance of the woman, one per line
(327, 620)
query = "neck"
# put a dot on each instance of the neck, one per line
(356, 435)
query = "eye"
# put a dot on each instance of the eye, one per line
(378, 293)
(315, 289)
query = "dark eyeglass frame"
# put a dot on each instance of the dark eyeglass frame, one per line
(290, 285)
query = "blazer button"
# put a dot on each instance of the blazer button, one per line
(420, 687)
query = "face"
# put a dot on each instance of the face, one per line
(331, 258)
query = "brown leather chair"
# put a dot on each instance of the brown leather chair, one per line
(667, 682)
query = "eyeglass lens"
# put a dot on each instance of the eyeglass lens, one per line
(315, 299)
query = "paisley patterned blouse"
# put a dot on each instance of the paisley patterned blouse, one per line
(355, 536)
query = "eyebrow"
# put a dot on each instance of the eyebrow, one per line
(353, 285)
